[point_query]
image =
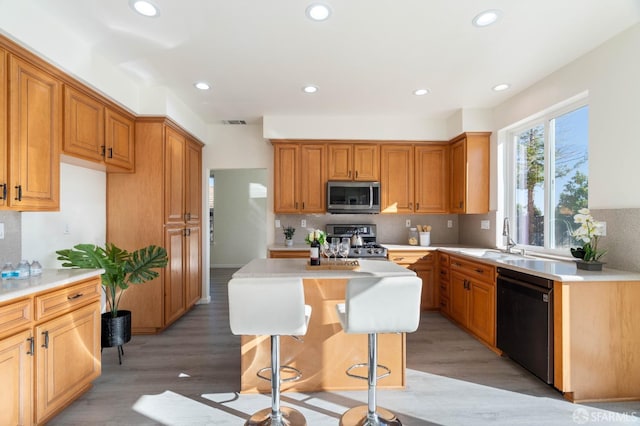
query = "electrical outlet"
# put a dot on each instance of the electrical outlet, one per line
(303, 223)
(408, 223)
(485, 224)
(449, 224)
(277, 223)
(1, 231)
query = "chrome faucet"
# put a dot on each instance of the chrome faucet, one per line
(506, 232)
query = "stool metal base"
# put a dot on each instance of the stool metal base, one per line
(290, 417)
(357, 416)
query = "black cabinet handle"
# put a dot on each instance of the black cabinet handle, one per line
(356, 174)
(110, 152)
(4, 192)
(480, 271)
(75, 296)
(31, 344)
(46, 339)
(102, 150)
(19, 195)
(417, 206)
(187, 232)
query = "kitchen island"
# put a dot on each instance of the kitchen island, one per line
(325, 352)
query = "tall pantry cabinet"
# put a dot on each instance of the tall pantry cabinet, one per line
(160, 204)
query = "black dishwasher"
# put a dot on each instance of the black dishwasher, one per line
(525, 321)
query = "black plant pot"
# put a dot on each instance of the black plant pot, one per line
(116, 331)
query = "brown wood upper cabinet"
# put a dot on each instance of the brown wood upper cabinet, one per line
(360, 162)
(469, 173)
(299, 177)
(4, 177)
(414, 178)
(96, 132)
(35, 131)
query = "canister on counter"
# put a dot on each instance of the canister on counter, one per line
(413, 237)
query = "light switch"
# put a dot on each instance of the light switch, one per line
(1, 231)
(277, 223)
(449, 224)
(485, 224)
(408, 223)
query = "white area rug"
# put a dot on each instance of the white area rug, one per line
(427, 400)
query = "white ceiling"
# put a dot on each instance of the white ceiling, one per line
(366, 59)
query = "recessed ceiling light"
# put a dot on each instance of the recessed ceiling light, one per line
(144, 7)
(202, 85)
(486, 18)
(421, 92)
(318, 11)
(309, 89)
(501, 87)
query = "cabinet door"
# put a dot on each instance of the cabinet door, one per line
(366, 162)
(16, 369)
(83, 125)
(3, 129)
(458, 298)
(313, 178)
(67, 358)
(428, 299)
(396, 178)
(193, 262)
(35, 133)
(482, 311)
(431, 179)
(193, 182)
(174, 287)
(174, 176)
(119, 139)
(458, 177)
(285, 178)
(340, 161)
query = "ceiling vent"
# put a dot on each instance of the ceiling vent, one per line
(236, 122)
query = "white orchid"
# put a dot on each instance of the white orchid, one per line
(589, 231)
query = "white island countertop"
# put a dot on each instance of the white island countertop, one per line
(258, 268)
(50, 279)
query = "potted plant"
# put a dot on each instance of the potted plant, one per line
(589, 232)
(288, 235)
(122, 268)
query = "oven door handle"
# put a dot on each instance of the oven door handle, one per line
(524, 284)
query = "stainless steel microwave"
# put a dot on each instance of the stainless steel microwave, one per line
(353, 197)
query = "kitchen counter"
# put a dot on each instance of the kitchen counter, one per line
(296, 268)
(326, 351)
(50, 279)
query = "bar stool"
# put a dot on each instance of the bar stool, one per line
(377, 305)
(275, 307)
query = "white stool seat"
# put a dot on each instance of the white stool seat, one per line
(377, 305)
(275, 307)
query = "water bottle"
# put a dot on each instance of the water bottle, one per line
(7, 271)
(36, 269)
(23, 270)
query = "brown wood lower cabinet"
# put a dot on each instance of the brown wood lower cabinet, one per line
(49, 352)
(472, 297)
(288, 254)
(422, 263)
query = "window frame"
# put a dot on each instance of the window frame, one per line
(546, 118)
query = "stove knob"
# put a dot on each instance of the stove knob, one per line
(371, 251)
(356, 251)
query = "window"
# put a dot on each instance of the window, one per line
(548, 177)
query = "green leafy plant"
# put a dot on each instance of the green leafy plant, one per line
(122, 268)
(288, 232)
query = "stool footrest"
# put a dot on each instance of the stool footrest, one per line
(285, 368)
(363, 365)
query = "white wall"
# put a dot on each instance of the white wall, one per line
(239, 217)
(610, 75)
(82, 214)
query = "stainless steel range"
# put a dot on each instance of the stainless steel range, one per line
(367, 233)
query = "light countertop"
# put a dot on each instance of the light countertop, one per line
(297, 268)
(50, 279)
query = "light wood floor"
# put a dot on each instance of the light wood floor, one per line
(201, 348)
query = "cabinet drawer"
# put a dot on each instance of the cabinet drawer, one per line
(60, 301)
(15, 315)
(411, 257)
(472, 269)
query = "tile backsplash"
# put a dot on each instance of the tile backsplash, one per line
(11, 245)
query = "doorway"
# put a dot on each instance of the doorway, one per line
(237, 216)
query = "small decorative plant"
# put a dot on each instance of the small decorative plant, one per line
(122, 268)
(288, 232)
(589, 232)
(316, 234)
